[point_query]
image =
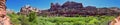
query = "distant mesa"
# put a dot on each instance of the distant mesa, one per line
(70, 9)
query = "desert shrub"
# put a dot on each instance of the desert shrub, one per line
(32, 19)
(14, 19)
(91, 20)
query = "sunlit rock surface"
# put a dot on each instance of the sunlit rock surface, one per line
(4, 20)
(27, 9)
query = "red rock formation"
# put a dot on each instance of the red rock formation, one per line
(4, 20)
(66, 5)
(55, 6)
(72, 5)
(72, 9)
(27, 9)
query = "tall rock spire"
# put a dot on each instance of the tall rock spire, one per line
(4, 20)
(55, 6)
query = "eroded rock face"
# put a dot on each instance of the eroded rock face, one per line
(72, 5)
(27, 9)
(72, 9)
(68, 4)
(55, 6)
(4, 20)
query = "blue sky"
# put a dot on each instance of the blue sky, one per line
(16, 5)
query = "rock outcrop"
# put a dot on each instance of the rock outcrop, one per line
(55, 6)
(67, 4)
(72, 9)
(4, 20)
(27, 9)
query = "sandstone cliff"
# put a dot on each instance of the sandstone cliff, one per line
(4, 20)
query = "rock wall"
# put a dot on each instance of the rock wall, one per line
(4, 20)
